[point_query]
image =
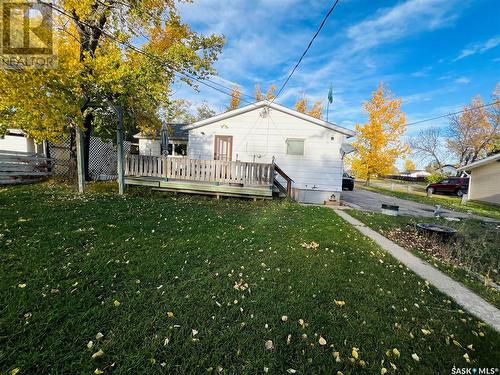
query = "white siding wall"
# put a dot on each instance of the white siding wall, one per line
(17, 143)
(485, 183)
(149, 147)
(257, 138)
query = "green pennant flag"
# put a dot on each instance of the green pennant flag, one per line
(330, 94)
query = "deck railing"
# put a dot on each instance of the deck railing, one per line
(20, 167)
(183, 168)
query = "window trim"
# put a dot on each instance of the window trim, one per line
(303, 146)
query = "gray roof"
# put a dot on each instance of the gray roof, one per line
(178, 133)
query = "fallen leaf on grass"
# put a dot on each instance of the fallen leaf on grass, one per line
(97, 371)
(415, 357)
(339, 303)
(313, 245)
(322, 341)
(170, 314)
(15, 371)
(426, 331)
(355, 353)
(98, 354)
(99, 336)
(116, 303)
(269, 344)
(22, 286)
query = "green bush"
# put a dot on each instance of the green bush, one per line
(434, 177)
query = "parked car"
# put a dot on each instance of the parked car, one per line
(452, 185)
(347, 182)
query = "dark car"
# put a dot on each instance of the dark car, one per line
(452, 185)
(347, 182)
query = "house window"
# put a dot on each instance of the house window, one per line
(295, 147)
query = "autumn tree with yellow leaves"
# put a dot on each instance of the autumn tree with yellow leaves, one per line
(317, 109)
(409, 165)
(302, 106)
(378, 142)
(270, 93)
(258, 93)
(97, 70)
(473, 133)
(234, 102)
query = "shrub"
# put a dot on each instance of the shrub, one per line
(434, 177)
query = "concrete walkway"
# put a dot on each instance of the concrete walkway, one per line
(463, 296)
(372, 201)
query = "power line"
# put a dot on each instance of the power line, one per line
(163, 20)
(147, 54)
(453, 113)
(307, 49)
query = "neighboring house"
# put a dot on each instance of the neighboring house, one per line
(171, 140)
(18, 141)
(415, 173)
(307, 149)
(484, 184)
(449, 170)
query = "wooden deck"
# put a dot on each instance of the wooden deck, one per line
(22, 167)
(207, 177)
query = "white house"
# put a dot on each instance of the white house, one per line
(15, 140)
(415, 173)
(152, 144)
(307, 149)
(484, 184)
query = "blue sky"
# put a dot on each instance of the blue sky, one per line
(434, 54)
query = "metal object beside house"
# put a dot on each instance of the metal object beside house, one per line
(391, 210)
(440, 230)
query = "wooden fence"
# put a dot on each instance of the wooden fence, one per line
(21, 167)
(183, 168)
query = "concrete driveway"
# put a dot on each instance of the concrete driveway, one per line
(370, 201)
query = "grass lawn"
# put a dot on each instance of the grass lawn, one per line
(193, 285)
(446, 201)
(474, 251)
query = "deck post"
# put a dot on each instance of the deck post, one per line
(119, 146)
(79, 160)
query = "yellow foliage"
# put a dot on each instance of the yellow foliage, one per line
(317, 109)
(258, 93)
(235, 98)
(95, 69)
(301, 105)
(409, 165)
(271, 92)
(378, 142)
(476, 130)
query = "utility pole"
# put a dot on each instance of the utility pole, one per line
(79, 160)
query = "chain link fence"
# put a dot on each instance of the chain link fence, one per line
(102, 157)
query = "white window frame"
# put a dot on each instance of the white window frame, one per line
(303, 146)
